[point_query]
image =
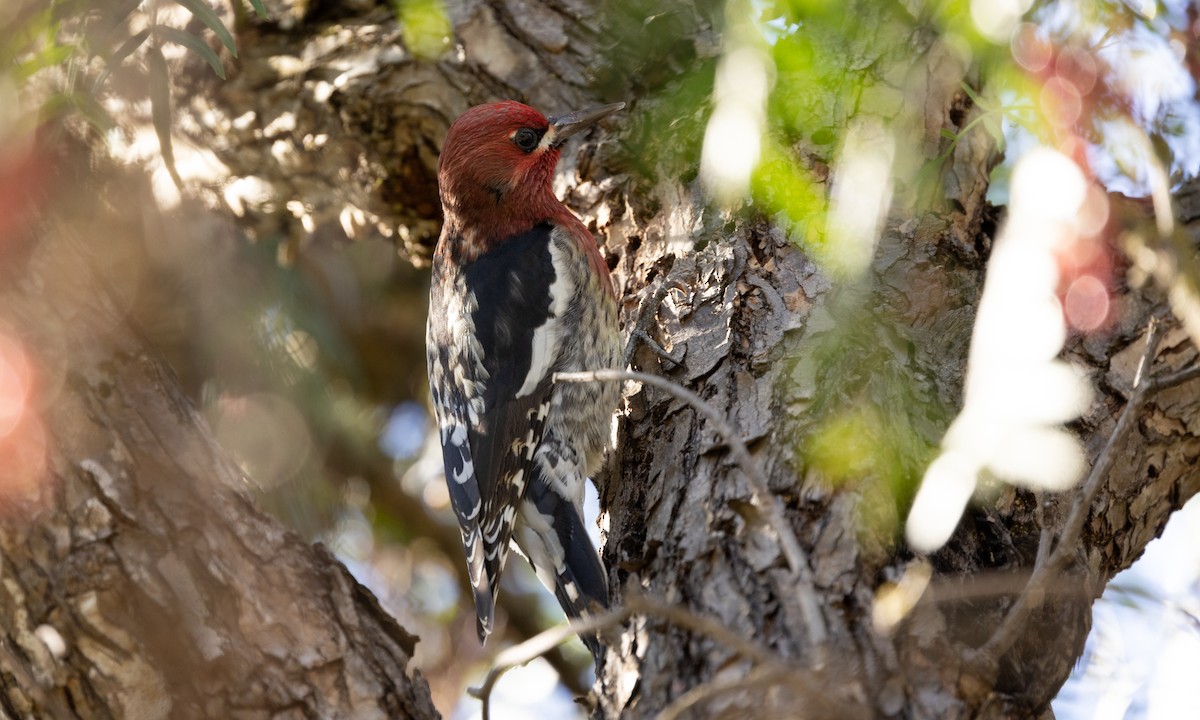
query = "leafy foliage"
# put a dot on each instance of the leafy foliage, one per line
(78, 46)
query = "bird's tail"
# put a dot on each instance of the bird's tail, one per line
(481, 584)
(580, 584)
(555, 540)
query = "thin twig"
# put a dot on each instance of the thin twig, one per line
(659, 350)
(1065, 548)
(647, 311)
(539, 645)
(1166, 382)
(990, 585)
(543, 642)
(808, 696)
(766, 501)
(1047, 534)
(704, 625)
(986, 657)
(709, 690)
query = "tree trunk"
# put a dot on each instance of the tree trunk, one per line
(346, 123)
(139, 579)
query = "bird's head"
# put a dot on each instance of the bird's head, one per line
(497, 165)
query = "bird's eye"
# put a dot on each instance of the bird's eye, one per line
(526, 139)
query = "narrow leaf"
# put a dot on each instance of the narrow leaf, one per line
(114, 61)
(160, 108)
(209, 17)
(976, 98)
(992, 124)
(103, 33)
(259, 8)
(193, 43)
(93, 112)
(52, 55)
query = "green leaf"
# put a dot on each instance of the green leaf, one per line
(208, 16)
(424, 27)
(50, 56)
(976, 98)
(160, 108)
(259, 8)
(193, 43)
(991, 123)
(114, 61)
(949, 134)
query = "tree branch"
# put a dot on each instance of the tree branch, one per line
(985, 659)
(543, 642)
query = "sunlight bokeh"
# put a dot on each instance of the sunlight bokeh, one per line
(23, 470)
(1017, 392)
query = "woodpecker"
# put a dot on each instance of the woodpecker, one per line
(519, 292)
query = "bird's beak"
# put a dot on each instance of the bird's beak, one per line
(564, 126)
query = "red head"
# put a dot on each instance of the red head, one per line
(496, 168)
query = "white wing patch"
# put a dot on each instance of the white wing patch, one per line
(467, 472)
(547, 337)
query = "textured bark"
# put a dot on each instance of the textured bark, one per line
(678, 519)
(329, 113)
(137, 543)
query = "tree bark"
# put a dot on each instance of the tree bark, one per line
(139, 579)
(329, 110)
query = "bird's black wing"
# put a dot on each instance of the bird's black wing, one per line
(495, 354)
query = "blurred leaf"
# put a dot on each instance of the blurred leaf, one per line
(84, 104)
(424, 27)
(193, 43)
(977, 98)
(21, 35)
(111, 24)
(48, 57)
(209, 17)
(114, 61)
(259, 8)
(34, 45)
(993, 127)
(846, 447)
(93, 112)
(160, 107)
(782, 186)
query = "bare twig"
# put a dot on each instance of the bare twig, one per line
(1065, 547)
(659, 350)
(539, 645)
(545, 641)
(767, 503)
(704, 625)
(807, 695)
(986, 657)
(702, 693)
(1047, 535)
(647, 311)
(993, 584)
(1168, 381)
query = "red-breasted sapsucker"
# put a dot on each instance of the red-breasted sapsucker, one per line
(519, 293)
